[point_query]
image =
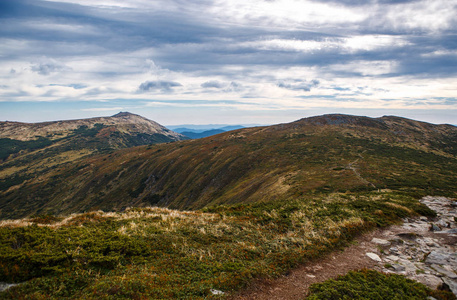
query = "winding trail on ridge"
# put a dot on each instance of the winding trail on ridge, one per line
(351, 167)
(408, 256)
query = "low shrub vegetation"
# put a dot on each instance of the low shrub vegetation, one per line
(157, 253)
(370, 284)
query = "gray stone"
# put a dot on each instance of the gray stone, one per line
(422, 218)
(442, 223)
(398, 267)
(393, 250)
(430, 242)
(217, 292)
(380, 242)
(451, 231)
(4, 286)
(392, 257)
(409, 266)
(444, 272)
(374, 256)
(451, 283)
(429, 280)
(434, 227)
(437, 258)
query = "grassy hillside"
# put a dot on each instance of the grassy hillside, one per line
(156, 253)
(32, 151)
(333, 153)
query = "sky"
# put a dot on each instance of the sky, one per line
(228, 61)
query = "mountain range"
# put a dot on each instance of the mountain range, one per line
(195, 133)
(323, 154)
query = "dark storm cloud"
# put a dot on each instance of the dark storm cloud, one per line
(164, 86)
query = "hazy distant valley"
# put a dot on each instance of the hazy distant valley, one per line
(253, 202)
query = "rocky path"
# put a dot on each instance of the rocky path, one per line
(422, 249)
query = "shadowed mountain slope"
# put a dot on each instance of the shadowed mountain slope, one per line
(322, 154)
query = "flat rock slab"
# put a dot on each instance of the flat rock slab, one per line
(429, 280)
(374, 256)
(380, 242)
(445, 272)
(393, 258)
(438, 258)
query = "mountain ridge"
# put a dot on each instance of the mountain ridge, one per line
(28, 131)
(332, 153)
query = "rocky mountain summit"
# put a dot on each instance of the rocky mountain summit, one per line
(29, 151)
(124, 122)
(423, 249)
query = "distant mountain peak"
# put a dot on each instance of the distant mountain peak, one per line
(123, 114)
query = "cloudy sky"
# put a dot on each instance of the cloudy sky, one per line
(228, 61)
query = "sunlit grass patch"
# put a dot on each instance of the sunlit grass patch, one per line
(158, 253)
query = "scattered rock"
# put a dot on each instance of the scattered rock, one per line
(216, 292)
(380, 242)
(398, 267)
(374, 256)
(443, 224)
(426, 252)
(392, 257)
(393, 250)
(434, 227)
(431, 242)
(408, 235)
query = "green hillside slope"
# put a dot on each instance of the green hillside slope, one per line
(323, 154)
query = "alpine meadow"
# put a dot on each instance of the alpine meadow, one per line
(204, 218)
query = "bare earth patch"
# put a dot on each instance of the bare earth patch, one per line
(295, 284)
